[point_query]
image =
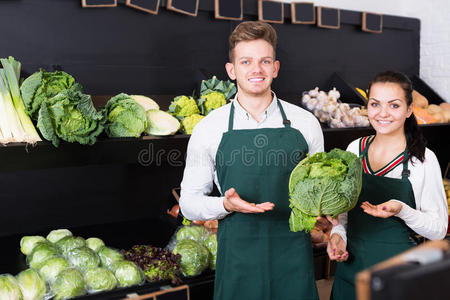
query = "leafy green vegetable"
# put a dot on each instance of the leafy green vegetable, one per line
(194, 232)
(211, 101)
(128, 274)
(227, 88)
(124, 117)
(109, 256)
(146, 102)
(161, 123)
(57, 234)
(33, 287)
(323, 184)
(83, 258)
(194, 257)
(52, 267)
(68, 243)
(189, 123)
(69, 284)
(183, 106)
(41, 252)
(100, 279)
(9, 288)
(43, 85)
(70, 116)
(211, 244)
(94, 243)
(27, 243)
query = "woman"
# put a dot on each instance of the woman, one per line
(402, 190)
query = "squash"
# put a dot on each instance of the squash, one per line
(422, 116)
(419, 100)
(433, 108)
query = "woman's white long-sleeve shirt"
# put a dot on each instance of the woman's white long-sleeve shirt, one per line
(200, 171)
(430, 218)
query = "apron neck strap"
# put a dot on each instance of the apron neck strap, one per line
(286, 122)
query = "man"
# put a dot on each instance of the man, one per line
(249, 148)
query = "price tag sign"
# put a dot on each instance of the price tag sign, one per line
(271, 11)
(228, 10)
(303, 13)
(187, 7)
(98, 3)
(148, 6)
(372, 22)
(328, 17)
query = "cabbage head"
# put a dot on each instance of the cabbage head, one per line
(99, 279)
(183, 106)
(194, 232)
(323, 184)
(68, 284)
(194, 257)
(57, 234)
(108, 257)
(211, 101)
(52, 267)
(9, 288)
(33, 287)
(94, 243)
(128, 273)
(68, 243)
(41, 253)
(124, 117)
(83, 258)
(211, 244)
(27, 243)
(146, 102)
(161, 123)
(70, 116)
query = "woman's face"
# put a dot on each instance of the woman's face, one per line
(387, 108)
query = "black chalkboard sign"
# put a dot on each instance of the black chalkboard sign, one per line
(271, 11)
(372, 22)
(187, 7)
(303, 13)
(328, 17)
(228, 9)
(149, 6)
(98, 3)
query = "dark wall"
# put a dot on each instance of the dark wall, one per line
(112, 50)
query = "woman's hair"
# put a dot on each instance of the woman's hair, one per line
(250, 31)
(415, 140)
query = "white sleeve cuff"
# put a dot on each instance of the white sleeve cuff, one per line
(406, 213)
(340, 230)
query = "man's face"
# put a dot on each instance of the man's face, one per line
(253, 67)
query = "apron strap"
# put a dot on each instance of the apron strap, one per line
(286, 122)
(405, 172)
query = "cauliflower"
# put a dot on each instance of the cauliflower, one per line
(211, 101)
(183, 106)
(189, 123)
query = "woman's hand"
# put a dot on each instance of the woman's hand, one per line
(233, 202)
(337, 248)
(383, 210)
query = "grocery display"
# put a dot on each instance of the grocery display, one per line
(426, 113)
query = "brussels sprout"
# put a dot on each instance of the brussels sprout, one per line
(56, 235)
(41, 252)
(100, 279)
(211, 244)
(109, 256)
(128, 274)
(9, 288)
(193, 232)
(27, 243)
(68, 243)
(194, 257)
(69, 283)
(94, 243)
(52, 267)
(83, 258)
(33, 287)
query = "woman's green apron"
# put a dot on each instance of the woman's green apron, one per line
(258, 257)
(371, 240)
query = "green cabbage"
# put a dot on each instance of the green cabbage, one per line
(194, 232)
(189, 123)
(33, 287)
(100, 279)
(68, 243)
(211, 101)
(183, 106)
(43, 85)
(109, 257)
(161, 123)
(52, 267)
(124, 117)
(211, 244)
(70, 116)
(146, 102)
(68, 284)
(128, 273)
(194, 257)
(323, 184)
(9, 288)
(94, 243)
(83, 258)
(41, 252)
(27, 243)
(57, 234)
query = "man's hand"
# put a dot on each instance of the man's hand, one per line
(383, 210)
(232, 202)
(337, 248)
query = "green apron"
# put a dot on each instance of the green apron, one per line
(258, 257)
(371, 240)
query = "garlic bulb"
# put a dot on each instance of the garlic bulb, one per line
(334, 93)
(313, 93)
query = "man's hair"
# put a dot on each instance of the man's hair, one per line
(250, 31)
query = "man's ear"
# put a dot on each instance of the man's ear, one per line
(276, 68)
(230, 70)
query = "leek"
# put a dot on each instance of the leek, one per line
(11, 127)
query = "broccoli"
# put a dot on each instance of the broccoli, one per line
(211, 101)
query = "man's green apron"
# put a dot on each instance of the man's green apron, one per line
(258, 257)
(371, 240)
